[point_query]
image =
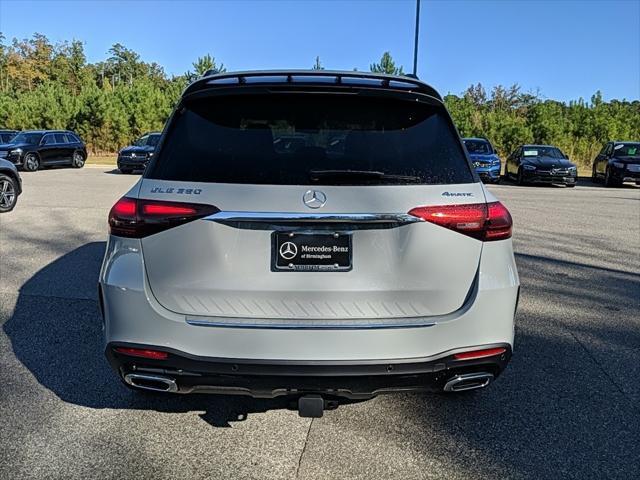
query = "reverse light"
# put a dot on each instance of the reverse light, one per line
(484, 221)
(138, 218)
(142, 353)
(489, 352)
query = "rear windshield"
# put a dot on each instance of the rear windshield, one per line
(293, 139)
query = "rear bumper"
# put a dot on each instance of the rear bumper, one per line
(270, 379)
(133, 316)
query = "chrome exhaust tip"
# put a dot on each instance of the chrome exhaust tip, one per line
(468, 381)
(154, 383)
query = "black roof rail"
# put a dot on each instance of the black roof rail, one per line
(321, 77)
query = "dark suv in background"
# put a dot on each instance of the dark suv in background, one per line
(33, 149)
(6, 136)
(136, 156)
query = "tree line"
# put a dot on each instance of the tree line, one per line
(111, 102)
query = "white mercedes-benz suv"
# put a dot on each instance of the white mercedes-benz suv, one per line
(317, 234)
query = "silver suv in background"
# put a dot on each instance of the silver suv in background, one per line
(315, 234)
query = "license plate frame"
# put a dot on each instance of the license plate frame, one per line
(314, 258)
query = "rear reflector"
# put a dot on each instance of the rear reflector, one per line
(490, 352)
(142, 353)
(134, 218)
(484, 221)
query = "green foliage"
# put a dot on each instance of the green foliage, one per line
(110, 103)
(317, 65)
(509, 117)
(203, 65)
(386, 65)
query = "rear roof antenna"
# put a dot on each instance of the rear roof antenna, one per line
(415, 44)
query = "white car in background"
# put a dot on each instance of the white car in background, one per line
(364, 258)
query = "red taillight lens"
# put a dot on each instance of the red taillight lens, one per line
(489, 352)
(484, 221)
(499, 222)
(134, 218)
(142, 353)
(125, 207)
(164, 209)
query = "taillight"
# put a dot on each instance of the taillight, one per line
(134, 218)
(142, 353)
(499, 223)
(484, 221)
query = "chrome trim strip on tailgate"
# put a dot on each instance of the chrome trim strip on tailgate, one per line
(287, 217)
(364, 324)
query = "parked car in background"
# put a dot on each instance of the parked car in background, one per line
(617, 162)
(7, 135)
(541, 164)
(238, 267)
(10, 186)
(136, 156)
(34, 149)
(484, 158)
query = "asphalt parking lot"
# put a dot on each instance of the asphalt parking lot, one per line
(568, 406)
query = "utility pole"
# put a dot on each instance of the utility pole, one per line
(415, 45)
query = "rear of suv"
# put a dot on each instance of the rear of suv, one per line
(364, 258)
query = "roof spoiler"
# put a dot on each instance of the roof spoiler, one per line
(408, 83)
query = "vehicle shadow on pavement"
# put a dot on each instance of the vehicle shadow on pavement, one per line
(59, 340)
(567, 406)
(115, 171)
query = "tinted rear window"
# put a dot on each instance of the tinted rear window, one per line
(283, 138)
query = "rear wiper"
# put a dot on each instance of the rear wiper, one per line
(317, 175)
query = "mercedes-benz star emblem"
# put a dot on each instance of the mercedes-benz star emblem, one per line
(288, 250)
(314, 198)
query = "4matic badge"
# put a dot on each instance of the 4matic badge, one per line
(457, 194)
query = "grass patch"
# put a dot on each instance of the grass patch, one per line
(101, 160)
(584, 170)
